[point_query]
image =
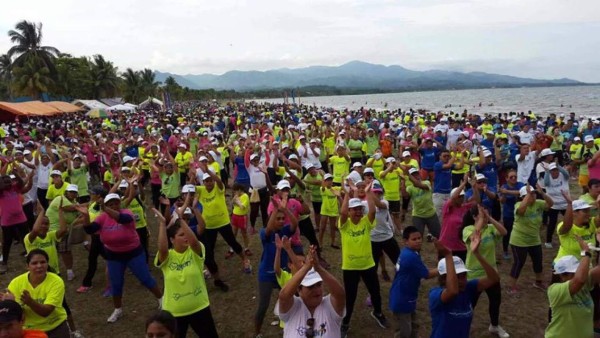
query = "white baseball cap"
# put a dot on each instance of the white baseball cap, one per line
(188, 188)
(125, 169)
(390, 160)
(327, 177)
(72, 187)
(566, 264)
(523, 191)
(459, 265)
(369, 170)
(480, 177)
(588, 138)
(110, 197)
(55, 172)
(293, 157)
(355, 203)
(487, 153)
(283, 184)
(546, 152)
(253, 156)
(123, 184)
(128, 158)
(357, 164)
(412, 171)
(203, 158)
(462, 193)
(406, 153)
(311, 278)
(577, 138)
(552, 166)
(580, 205)
(206, 176)
(182, 145)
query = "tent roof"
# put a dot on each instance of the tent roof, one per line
(30, 108)
(64, 106)
(154, 101)
(112, 102)
(90, 104)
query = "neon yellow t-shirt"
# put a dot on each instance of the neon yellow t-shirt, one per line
(245, 201)
(138, 213)
(391, 185)
(569, 244)
(185, 287)
(356, 244)
(50, 292)
(215, 211)
(526, 229)
(377, 165)
(183, 161)
(329, 204)
(340, 166)
(466, 167)
(54, 192)
(422, 200)
(48, 244)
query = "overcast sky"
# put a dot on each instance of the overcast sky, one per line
(530, 38)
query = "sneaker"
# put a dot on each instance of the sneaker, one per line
(229, 254)
(499, 331)
(70, 275)
(221, 285)
(506, 256)
(77, 334)
(344, 330)
(513, 291)
(117, 313)
(380, 318)
(247, 266)
(247, 252)
(548, 245)
(107, 292)
(84, 289)
(540, 285)
(368, 302)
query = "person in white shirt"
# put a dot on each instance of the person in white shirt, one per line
(310, 314)
(525, 163)
(525, 135)
(556, 183)
(452, 134)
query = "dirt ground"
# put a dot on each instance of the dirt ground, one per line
(524, 315)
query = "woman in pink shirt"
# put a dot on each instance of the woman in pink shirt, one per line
(122, 249)
(452, 220)
(12, 218)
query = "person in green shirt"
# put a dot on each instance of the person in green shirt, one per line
(78, 172)
(356, 147)
(421, 197)
(525, 237)
(490, 232)
(357, 256)
(340, 165)
(591, 197)
(390, 180)
(313, 181)
(577, 224)
(169, 175)
(570, 300)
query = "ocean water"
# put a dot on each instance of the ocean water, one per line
(583, 100)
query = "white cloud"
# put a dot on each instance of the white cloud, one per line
(192, 36)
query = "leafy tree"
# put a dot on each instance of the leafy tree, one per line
(5, 76)
(132, 86)
(27, 37)
(32, 79)
(149, 85)
(73, 77)
(104, 78)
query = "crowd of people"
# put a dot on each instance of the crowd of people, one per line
(379, 183)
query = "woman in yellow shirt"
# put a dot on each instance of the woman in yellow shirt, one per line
(40, 293)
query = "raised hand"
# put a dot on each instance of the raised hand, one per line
(441, 248)
(475, 241)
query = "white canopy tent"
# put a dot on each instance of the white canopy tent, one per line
(90, 104)
(122, 107)
(151, 102)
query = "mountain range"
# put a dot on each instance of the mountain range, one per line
(356, 75)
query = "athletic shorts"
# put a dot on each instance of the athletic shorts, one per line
(317, 207)
(239, 221)
(394, 206)
(64, 245)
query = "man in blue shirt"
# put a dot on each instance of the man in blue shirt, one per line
(442, 182)
(429, 155)
(405, 287)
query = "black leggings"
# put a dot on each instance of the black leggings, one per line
(307, 230)
(96, 249)
(520, 257)
(143, 234)
(155, 188)
(28, 210)
(209, 239)
(494, 294)
(351, 279)
(405, 203)
(263, 205)
(202, 324)
(389, 246)
(508, 224)
(41, 196)
(10, 234)
(552, 221)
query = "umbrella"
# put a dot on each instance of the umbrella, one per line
(99, 113)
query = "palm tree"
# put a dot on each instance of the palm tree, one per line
(32, 79)
(6, 72)
(104, 77)
(28, 39)
(149, 86)
(132, 86)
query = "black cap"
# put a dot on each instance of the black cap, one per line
(10, 311)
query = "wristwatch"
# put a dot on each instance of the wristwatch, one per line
(586, 253)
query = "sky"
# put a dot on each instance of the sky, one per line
(546, 39)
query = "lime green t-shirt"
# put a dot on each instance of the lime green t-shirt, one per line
(569, 244)
(185, 287)
(214, 207)
(138, 213)
(487, 248)
(283, 278)
(377, 165)
(391, 185)
(526, 229)
(341, 167)
(591, 201)
(356, 244)
(183, 161)
(170, 184)
(245, 201)
(52, 212)
(50, 292)
(315, 189)
(54, 192)
(48, 244)
(355, 147)
(329, 205)
(570, 313)
(78, 176)
(422, 200)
